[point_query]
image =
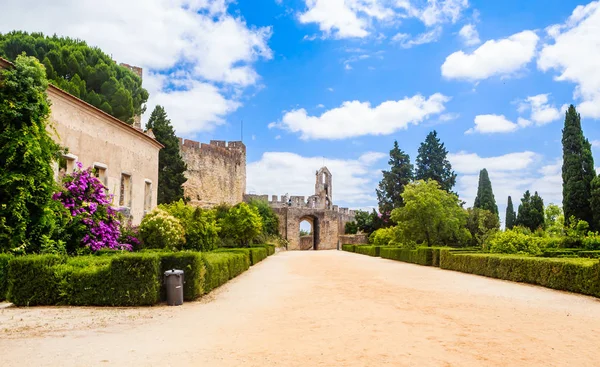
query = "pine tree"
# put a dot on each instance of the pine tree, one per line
(171, 167)
(485, 195)
(393, 182)
(531, 211)
(577, 170)
(511, 216)
(432, 163)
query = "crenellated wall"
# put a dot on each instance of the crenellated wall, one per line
(216, 172)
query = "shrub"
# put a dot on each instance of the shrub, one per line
(349, 248)
(161, 230)
(421, 256)
(350, 228)
(4, 259)
(592, 241)
(222, 266)
(558, 252)
(253, 254)
(270, 220)
(241, 224)
(200, 226)
(575, 275)
(383, 236)
(194, 270)
(589, 254)
(368, 250)
(512, 242)
(32, 280)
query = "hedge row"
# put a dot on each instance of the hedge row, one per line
(575, 275)
(421, 256)
(116, 279)
(349, 248)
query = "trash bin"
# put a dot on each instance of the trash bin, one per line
(174, 284)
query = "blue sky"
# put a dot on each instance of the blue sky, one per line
(337, 81)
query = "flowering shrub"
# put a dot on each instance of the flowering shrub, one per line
(159, 229)
(200, 226)
(93, 224)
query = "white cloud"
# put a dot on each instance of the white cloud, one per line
(407, 41)
(355, 118)
(330, 89)
(435, 12)
(320, 105)
(489, 124)
(541, 111)
(595, 143)
(469, 35)
(495, 57)
(469, 163)
(160, 36)
(575, 54)
(277, 137)
(284, 172)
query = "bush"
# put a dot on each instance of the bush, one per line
(194, 270)
(349, 248)
(421, 256)
(32, 280)
(161, 230)
(383, 236)
(241, 224)
(254, 254)
(512, 242)
(592, 241)
(222, 266)
(575, 275)
(4, 259)
(368, 250)
(270, 220)
(558, 252)
(200, 226)
(589, 254)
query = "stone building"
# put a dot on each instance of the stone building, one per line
(216, 172)
(326, 220)
(125, 158)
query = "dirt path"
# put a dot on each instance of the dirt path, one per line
(324, 308)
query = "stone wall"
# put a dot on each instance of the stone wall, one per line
(354, 239)
(216, 172)
(306, 242)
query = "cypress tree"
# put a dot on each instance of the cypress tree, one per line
(171, 167)
(485, 195)
(511, 216)
(577, 170)
(432, 163)
(595, 203)
(392, 184)
(531, 211)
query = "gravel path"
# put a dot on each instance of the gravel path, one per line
(321, 308)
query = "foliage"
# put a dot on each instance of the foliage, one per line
(595, 202)
(554, 220)
(367, 222)
(391, 186)
(421, 255)
(222, 266)
(93, 222)
(349, 247)
(531, 211)
(32, 280)
(485, 195)
(350, 228)
(26, 156)
(241, 224)
(86, 72)
(575, 232)
(592, 241)
(368, 250)
(304, 232)
(513, 241)
(575, 275)
(430, 215)
(270, 220)
(161, 230)
(200, 226)
(171, 166)
(481, 224)
(383, 236)
(4, 259)
(432, 163)
(511, 216)
(577, 170)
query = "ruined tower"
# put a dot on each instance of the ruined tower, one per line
(323, 187)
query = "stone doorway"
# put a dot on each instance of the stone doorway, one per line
(309, 233)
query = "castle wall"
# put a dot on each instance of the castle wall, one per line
(216, 172)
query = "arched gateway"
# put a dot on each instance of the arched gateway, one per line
(327, 220)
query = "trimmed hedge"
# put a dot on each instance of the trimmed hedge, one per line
(4, 259)
(574, 275)
(368, 250)
(349, 248)
(421, 256)
(32, 280)
(560, 252)
(222, 266)
(589, 254)
(194, 270)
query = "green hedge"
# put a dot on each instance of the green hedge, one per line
(368, 250)
(222, 266)
(575, 275)
(4, 259)
(257, 254)
(32, 280)
(421, 256)
(589, 254)
(349, 248)
(194, 270)
(560, 252)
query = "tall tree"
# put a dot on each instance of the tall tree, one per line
(391, 186)
(531, 211)
(485, 195)
(171, 167)
(511, 216)
(577, 170)
(595, 203)
(26, 156)
(432, 163)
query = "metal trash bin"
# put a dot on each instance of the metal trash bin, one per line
(174, 284)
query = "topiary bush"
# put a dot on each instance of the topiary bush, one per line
(4, 259)
(160, 230)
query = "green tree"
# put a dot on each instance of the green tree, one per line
(554, 219)
(430, 215)
(241, 224)
(577, 170)
(595, 202)
(200, 225)
(270, 220)
(432, 163)
(350, 228)
(531, 211)
(26, 156)
(511, 216)
(84, 71)
(485, 195)
(391, 186)
(481, 223)
(171, 167)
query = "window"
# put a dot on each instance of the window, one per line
(66, 164)
(125, 193)
(147, 196)
(100, 172)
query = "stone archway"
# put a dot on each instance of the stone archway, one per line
(311, 241)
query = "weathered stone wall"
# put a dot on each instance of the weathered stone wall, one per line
(216, 172)
(306, 242)
(95, 138)
(354, 239)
